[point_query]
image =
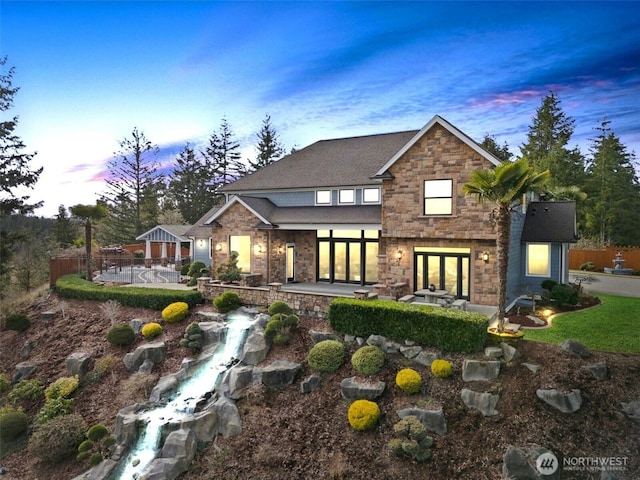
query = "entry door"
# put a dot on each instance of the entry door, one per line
(290, 262)
(448, 272)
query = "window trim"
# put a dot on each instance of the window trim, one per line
(318, 192)
(370, 202)
(425, 197)
(347, 190)
(547, 274)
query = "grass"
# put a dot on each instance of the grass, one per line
(613, 326)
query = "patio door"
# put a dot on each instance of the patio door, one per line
(290, 262)
(447, 271)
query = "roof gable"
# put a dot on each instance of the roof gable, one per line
(166, 233)
(259, 207)
(550, 222)
(437, 119)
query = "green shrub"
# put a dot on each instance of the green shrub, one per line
(58, 439)
(12, 423)
(448, 329)
(363, 415)
(97, 446)
(62, 388)
(279, 307)
(85, 446)
(151, 330)
(184, 270)
(368, 360)
(97, 432)
(53, 408)
(5, 383)
(548, 284)
(176, 312)
(229, 271)
(101, 367)
(193, 337)
(196, 269)
(17, 321)
(30, 389)
(326, 356)
(588, 267)
(227, 302)
(95, 459)
(409, 380)
(121, 335)
(278, 329)
(441, 368)
(564, 294)
(413, 442)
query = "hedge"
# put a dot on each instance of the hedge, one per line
(72, 286)
(446, 328)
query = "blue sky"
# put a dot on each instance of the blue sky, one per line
(90, 71)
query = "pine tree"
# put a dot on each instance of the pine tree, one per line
(613, 202)
(15, 173)
(133, 191)
(223, 157)
(546, 146)
(65, 229)
(269, 148)
(490, 144)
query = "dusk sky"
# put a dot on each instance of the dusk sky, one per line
(89, 72)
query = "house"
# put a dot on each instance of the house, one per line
(382, 210)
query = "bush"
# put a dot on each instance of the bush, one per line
(184, 270)
(12, 423)
(17, 321)
(279, 307)
(441, 368)
(62, 388)
(101, 367)
(326, 356)
(176, 312)
(413, 442)
(121, 335)
(363, 415)
(53, 408)
(278, 329)
(5, 383)
(409, 380)
(97, 446)
(548, 284)
(229, 271)
(58, 439)
(564, 294)
(193, 338)
(196, 269)
(27, 390)
(368, 360)
(151, 330)
(227, 302)
(97, 432)
(588, 267)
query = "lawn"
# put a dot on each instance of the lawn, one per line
(613, 326)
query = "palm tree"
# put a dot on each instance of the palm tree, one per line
(504, 186)
(86, 214)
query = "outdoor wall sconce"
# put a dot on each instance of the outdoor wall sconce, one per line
(280, 250)
(399, 256)
(258, 248)
(218, 247)
(485, 257)
(200, 242)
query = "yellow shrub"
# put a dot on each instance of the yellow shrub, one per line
(176, 312)
(441, 368)
(409, 380)
(62, 388)
(363, 415)
(151, 330)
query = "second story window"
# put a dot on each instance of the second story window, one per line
(323, 197)
(438, 197)
(370, 195)
(347, 196)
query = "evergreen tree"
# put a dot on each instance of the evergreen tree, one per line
(65, 229)
(490, 144)
(223, 158)
(133, 190)
(190, 185)
(269, 148)
(613, 202)
(546, 146)
(15, 173)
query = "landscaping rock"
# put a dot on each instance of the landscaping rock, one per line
(565, 402)
(478, 371)
(599, 370)
(309, 384)
(426, 358)
(23, 371)
(509, 353)
(146, 367)
(484, 402)
(47, 317)
(209, 317)
(317, 337)
(136, 324)
(520, 463)
(239, 378)
(410, 352)
(433, 420)
(102, 471)
(532, 367)
(280, 374)
(575, 348)
(163, 469)
(352, 389)
(255, 348)
(493, 353)
(78, 363)
(213, 332)
(181, 446)
(26, 349)
(156, 352)
(632, 409)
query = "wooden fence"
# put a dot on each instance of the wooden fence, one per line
(604, 257)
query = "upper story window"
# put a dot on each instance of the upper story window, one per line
(323, 197)
(370, 195)
(438, 197)
(347, 196)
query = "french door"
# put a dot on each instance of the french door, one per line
(446, 271)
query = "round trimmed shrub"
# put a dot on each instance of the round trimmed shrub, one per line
(441, 368)
(363, 415)
(58, 439)
(17, 321)
(564, 294)
(368, 360)
(227, 302)
(95, 459)
(97, 432)
(151, 330)
(409, 380)
(326, 356)
(12, 423)
(548, 284)
(279, 307)
(176, 312)
(85, 446)
(196, 269)
(121, 335)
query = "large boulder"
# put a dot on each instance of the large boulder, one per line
(599, 370)
(23, 371)
(213, 332)
(280, 373)
(484, 402)
(156, 352)
(353, 389)
(565, 402)
(479, 371)
(163, 469)
(530, 463)
(575, 348)
(433, 420)
(255, 348)
(239, 377)
(180, 445)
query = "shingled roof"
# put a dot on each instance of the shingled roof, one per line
(550, 222)
(327, 163)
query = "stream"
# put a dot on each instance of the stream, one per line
(206, 377)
